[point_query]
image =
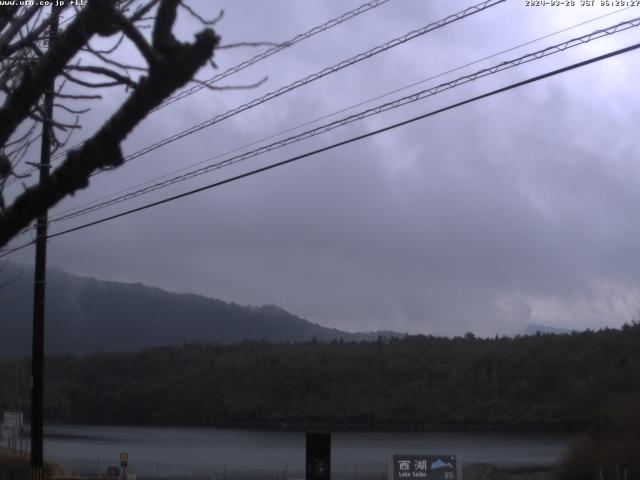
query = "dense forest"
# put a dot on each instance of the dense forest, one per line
(540, 381)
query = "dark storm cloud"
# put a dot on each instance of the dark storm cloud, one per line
(514, 210)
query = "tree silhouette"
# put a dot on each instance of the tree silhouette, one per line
(30, 62)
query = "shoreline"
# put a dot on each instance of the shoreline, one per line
(283, 426)
(190, 450)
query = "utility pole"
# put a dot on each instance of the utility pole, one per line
(37, 347)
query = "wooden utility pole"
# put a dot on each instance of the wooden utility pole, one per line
(37, 347)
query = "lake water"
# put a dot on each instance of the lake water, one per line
(172, 453)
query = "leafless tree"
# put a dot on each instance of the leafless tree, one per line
(30, 60)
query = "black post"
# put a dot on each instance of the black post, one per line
(318, 456)
(37, 347)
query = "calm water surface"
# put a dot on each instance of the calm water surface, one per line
(160, 452)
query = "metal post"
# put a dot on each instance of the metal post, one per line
(318, 456)
(37, 352)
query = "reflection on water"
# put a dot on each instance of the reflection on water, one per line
(161, 452)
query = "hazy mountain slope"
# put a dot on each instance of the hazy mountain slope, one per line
(87, 315)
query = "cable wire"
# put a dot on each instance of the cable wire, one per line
(313, 77)
(355, 139)
(316, 76)
(365, 7)
(342, 110)
(273, 50)
(421, 95)
(342, 143)
(339, 66)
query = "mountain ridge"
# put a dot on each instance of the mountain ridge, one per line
(87, 315)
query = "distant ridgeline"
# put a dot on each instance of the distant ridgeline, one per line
(540, 381)
(85, 315)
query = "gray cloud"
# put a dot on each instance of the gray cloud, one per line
(517, 209)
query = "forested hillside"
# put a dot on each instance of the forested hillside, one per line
(85, 315)
(540, 381)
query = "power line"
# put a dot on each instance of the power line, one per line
(508, 64)
(301, 82)
(342, 110)
(365, 7)
(486, 4)
(421, 95)
(9, 251)
(273, 50)
(609, 30)
(313, 77)
(345, 142)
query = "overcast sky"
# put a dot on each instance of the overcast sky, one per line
(518, 209)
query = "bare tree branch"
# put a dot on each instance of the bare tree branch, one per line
(196, 15)
(6, 14)
(71, 110)
(230, 87)
(119, 79)
(162, 36)
(176, 64)
(16, 26)
(90, 20)
(137, 38)
(6, 50)
(110, 61)
(88, 84)
(78, 97)
(107, 51)
(142, 11)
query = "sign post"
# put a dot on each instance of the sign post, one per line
(424, 467)
(124, 461)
